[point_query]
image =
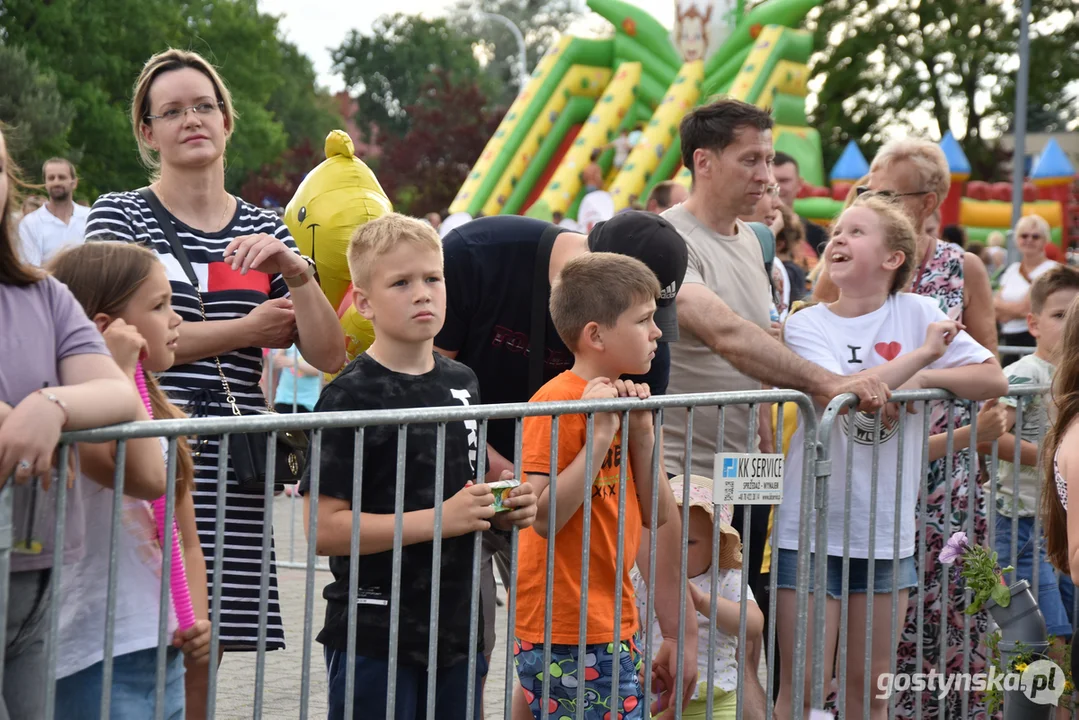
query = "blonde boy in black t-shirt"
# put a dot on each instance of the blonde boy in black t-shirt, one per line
(396, 268)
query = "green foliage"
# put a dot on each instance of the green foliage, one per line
(897, 64)
(387, 70)
(32, 107)
(540, 22)
(1059, 652)
(95, 52)
(983, 576)
(422, 171)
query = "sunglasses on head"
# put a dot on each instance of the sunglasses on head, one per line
(886, 194)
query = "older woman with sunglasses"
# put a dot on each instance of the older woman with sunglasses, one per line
(1012, 300)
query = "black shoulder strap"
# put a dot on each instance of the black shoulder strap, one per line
(541, 295)
(169, 230)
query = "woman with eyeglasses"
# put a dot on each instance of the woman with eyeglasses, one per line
(240, 285)
(1012, 300)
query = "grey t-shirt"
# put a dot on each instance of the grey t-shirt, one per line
(733, 268)
(43, 324)
(1030, 369)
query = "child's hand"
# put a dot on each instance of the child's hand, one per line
(699, 598)
(469, 510)
(523, 501)
(640, 421)
(939, 336)
(600, 388)
(125, 344)
(992, 421)
(195, 641)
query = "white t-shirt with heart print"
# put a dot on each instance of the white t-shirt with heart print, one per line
(847, 346)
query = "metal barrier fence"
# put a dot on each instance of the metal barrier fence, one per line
(287, 541)
(816, 475)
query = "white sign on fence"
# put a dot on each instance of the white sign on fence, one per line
(743, 479)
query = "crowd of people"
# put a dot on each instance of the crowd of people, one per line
(159, 302)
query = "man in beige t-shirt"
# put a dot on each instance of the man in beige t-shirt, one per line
(732, 267)
(731, 155)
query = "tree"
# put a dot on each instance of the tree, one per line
(306, 112)
(423, 170)
(277, 181)
(96, 50)
(387, 70)
(540, 22)
(884, 65)
(37, 119)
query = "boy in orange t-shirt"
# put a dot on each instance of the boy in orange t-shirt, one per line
(602, 306)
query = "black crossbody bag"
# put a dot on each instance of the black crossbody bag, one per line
(247, 451)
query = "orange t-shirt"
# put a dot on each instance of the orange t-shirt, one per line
(603, 542)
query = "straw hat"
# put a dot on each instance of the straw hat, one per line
(700, 495)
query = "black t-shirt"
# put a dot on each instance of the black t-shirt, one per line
(816, 236)
(367, 385)
(490, 272)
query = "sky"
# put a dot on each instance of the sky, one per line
(315, 26)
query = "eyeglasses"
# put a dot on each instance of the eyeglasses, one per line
(1029, 236)
(887, 194)
(174, 114)
(772, 190)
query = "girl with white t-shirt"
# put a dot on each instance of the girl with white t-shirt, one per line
(909, 343)
(125, 291)
(1012, 300)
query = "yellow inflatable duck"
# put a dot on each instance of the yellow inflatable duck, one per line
(335, 198)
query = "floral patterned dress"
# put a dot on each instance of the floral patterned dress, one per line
(942, 279)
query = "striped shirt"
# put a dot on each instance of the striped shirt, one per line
(227, 295)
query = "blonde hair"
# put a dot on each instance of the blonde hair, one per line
(1040, 224)
(899, 236)
(598, 287)
(996, 239)
(374, 239)
(168, 61)
(926, 158)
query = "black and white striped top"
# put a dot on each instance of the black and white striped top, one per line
(227, 294)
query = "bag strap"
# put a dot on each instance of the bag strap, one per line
(164, 221)
(767, 239)
(169, 230)
(541, 295)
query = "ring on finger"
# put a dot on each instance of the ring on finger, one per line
(25, 465)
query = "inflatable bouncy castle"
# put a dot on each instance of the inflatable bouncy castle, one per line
(980, 207)
(636, 86)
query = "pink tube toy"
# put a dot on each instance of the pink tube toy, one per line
(181, 595)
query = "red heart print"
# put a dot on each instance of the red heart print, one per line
(888, 351)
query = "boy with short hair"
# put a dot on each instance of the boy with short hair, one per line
(396, 268)
(1050, 297)
(602, 306)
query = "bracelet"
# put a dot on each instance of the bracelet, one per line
(58, 402)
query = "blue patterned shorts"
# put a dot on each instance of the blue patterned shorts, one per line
(565, 676)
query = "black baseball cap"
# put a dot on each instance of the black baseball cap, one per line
(657, 244)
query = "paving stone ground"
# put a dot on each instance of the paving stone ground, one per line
(281, 692)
